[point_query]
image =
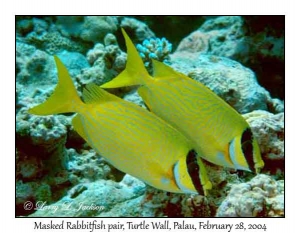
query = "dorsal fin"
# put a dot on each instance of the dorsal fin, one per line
(135, 72)
(161, 70)
(94, 94)
(78, 126)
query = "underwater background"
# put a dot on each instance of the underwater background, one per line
(241, 59)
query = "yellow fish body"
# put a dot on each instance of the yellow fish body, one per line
(131, 138)
(218, 132)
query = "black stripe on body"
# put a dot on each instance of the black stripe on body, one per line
(194, 171)
(247, 147)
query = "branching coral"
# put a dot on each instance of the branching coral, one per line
(158, 49)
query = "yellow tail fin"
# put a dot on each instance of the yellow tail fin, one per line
(135, 72)
(64, 98)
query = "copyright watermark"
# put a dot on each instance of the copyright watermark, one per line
(28, 205)
(44, 206)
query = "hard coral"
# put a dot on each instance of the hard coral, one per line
(98, 198)
(220, 36)
(268, 128)
(251, 199)
(87, 28)
(158, 49)
(43, 138)
(53, 42)
(33, 66)
(87, 166)
(107, 61)
(196, 42)
(46, 130)
(137, 30)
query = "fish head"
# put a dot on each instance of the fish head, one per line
(244, 152)
(190, 175)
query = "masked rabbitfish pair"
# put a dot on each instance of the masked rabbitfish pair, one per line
(163, 147)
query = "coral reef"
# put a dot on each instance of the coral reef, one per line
(88, 28)
(47, 132)
(41, 159)
(158, 49)
(259, 47)
(226, 36)
(167, 26)
(268, 128)
(221, 36)
(33, 66)
(137, 30)
(260, 197)
(75, 62)
(107, 61)
(100, 198)
(196, 42)
(88, 166)
(134, 97)
(43, 34)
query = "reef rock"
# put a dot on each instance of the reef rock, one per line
(260, 197)
(255, 41)
(88, 28)
(75, 62)
(41, 141)
(44, 35)
(107, 61)
(236, 37)
(268, 128)
(137, 30)
(221, 36)
(196, 42)
(99, 198)
(134, 97)
(30, 192)
(87, 166)
(33, 66)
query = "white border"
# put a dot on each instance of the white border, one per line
(114, 7)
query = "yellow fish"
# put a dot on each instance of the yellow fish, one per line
(131, 138)
(218, 132)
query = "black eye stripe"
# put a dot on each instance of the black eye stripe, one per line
(194, 171)
(247, 147)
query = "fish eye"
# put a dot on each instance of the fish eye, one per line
(247, 147)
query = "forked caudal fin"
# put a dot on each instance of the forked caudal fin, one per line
(65, 97)
(135, 72)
